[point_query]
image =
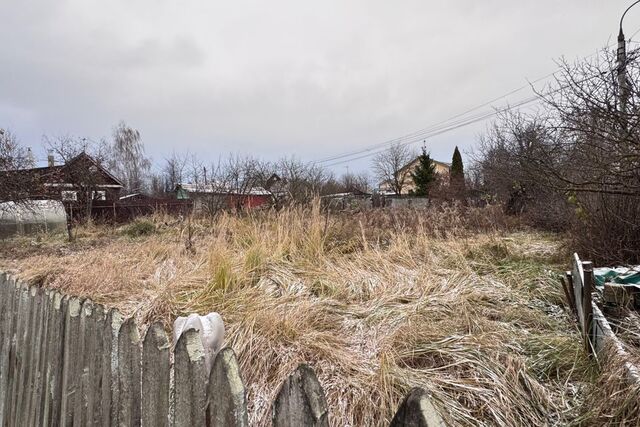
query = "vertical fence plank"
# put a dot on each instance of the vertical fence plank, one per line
(129, 374)
(110, 412)
(37, 360)
(25, 410)
(155, 377)
(99, 327)
(70, 383)
(587, 305)
(7, 326)
(300, 401)
(416, 410)
(53, 375)
(189, 380)
(83, 404)
(18, 357)
(226, 395)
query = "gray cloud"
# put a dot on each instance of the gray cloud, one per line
(273, 78)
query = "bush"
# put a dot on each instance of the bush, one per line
(140, 227)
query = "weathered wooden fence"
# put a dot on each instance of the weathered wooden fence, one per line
(579, 286)
(69, 362)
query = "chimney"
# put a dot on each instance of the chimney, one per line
(50, 160)
(30, 160)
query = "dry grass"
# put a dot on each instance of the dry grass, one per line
(377, 303)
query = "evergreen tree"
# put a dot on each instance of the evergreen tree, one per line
(424, 175)
(456, 174)
(457, 169)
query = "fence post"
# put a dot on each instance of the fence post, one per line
(189, 380)
(416, 410)
(300, 401)
(587, 307)
(567, 285)
(155, 377)
(129, 374)
(226, 396)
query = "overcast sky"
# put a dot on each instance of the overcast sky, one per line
(273, 78)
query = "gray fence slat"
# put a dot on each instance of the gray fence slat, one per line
(26, 386)
(70, 362)
(416, 410)
(155, 377)
(300, 401)
(129, 374)
(110, 412)
(19, 354)
(99, 324)
(189, 380)
(7, 327)
(38, 355)
(57, 338)
(83, 404)
(226, 395)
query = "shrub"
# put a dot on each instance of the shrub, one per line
(140, 227)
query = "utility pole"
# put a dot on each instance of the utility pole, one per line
(621, 57)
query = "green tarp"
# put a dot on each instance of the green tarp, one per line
(623, 275)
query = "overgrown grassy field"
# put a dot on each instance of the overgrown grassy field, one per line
(464, 306)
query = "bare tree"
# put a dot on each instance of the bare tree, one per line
(174, 170)
(16, 185)
(81, 175)
(355, 182)
(581, 151)
(304, 181)
(130, 163)
(389, 166)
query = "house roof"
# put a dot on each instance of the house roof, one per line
(217, 188)
(56, 170)
(412, 163)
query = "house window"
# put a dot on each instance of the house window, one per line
(69, 196)
(100, 195)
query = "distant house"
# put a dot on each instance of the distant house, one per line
(220, 197)
(80, 179)
(386, 186)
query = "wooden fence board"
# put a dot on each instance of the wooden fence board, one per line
(155, 377)
(53, 373)
(110, 413)
(7, 327)
(19, 356)
(190, 380)
(226, 395)
(129, 374)
(83, 408)
(300, 401)
(70, 356)
(416, 410)
(97, 377)
(39, 354)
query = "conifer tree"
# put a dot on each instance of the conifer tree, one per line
(424, 174)
(456, 174)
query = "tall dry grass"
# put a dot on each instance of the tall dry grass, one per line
(379, 302)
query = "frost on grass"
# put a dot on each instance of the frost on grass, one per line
(376, 303)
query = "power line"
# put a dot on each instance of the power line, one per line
(442, 130)
(447, 125)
